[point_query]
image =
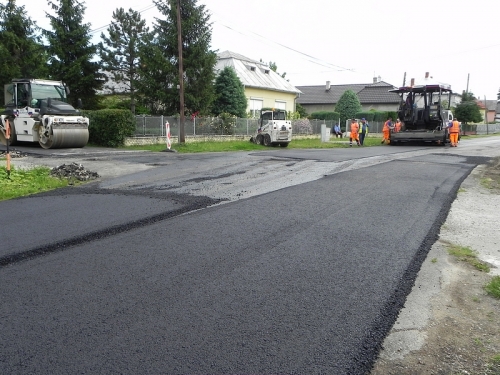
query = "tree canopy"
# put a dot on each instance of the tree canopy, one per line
(160, 60)
(348, 105)
(71, 52)
(21, 52)
(119, 51)
(468, 110)
(230, 94)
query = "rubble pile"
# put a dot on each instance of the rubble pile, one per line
(13, 154)
(73, 171)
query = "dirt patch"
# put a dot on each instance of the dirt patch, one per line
(462, 332)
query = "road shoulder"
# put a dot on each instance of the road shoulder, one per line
(449, 324)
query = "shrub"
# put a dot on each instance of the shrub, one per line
(325, 115)
(110, 127)
(302, 126)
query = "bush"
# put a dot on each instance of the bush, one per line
(325, 115)
(302, 126)
(110, 127)
(223, 124)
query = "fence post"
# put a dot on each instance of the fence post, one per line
(161, 126)
(144, 125)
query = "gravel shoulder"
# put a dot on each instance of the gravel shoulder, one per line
(449, 325)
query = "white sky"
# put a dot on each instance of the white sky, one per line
(344, 41)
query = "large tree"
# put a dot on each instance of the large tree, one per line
(72, 53)
(348, 105)
(230, 94)
(468, 110)
(119, 51)
(21, 53)
(160, 60)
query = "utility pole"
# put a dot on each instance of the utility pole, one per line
(182, 136)
(467, 89)
(486, 115)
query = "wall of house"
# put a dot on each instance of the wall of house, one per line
(270, 97)
(311, 108)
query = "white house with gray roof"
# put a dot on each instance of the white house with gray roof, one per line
(264, 88)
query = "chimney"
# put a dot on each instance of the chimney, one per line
(426, 75)
(412, 82)
(374, 79)
(327, 85)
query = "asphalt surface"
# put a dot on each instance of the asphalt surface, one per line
(133, 274)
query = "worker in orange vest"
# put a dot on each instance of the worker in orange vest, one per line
(454, 129)
(386, 130)
(354, 133)
(397, 126)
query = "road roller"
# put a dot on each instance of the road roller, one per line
(38, 111)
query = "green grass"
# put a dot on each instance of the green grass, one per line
(466, 254)
(493, 289)
(26, 182)
(246, 145)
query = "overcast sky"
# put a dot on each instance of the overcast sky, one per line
(344, 41)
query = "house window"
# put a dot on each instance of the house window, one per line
(278, 104)
(255, 107)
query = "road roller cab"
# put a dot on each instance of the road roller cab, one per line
(38, 111)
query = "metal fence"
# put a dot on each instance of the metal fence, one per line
(154, 126)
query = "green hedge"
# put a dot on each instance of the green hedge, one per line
(325, 115)
(110, 127)
(377, 116)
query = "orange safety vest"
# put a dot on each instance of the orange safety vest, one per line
(455, 127)
(354, 127)
(398, 126)
(386, 126)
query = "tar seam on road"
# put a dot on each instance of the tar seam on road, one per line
(10, 259)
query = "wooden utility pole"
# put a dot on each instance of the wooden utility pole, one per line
(182, 136)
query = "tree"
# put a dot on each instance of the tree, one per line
(120, 51)
(301, 110)
(21, 53)
(468, 110)
(230, 94)
(348, 105)
(274, 68)
(71, 52)
(160, 65)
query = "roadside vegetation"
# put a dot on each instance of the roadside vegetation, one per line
(466, 254)
(493, 289)
(246, 145)
(26, 182)
(490, 178)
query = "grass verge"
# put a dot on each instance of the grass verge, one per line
(26, 182)
(246, 145)
(493, 289)
(466, 254)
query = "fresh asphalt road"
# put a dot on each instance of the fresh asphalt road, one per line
(301, 269)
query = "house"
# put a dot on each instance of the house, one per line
(264, 88)
(373, 95)
(489, 108)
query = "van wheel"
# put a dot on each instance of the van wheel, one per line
(267, 140)
(259, 139)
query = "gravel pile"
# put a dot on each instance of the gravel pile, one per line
(14, 154)
(75, 171)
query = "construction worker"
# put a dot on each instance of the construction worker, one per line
(363, 131)
(454, 129)
(386, 130)
(354, 133)
(397, 126)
